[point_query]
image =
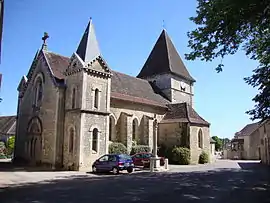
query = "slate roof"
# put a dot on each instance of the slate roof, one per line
(248, 129)
(123, 86)
(57, 63)
(88, 48)
(164, 58)
(7, 125)
(182, 112)
(132, 89)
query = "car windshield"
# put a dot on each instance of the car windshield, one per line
(124, 156)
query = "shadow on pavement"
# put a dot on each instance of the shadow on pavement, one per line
(223, 185)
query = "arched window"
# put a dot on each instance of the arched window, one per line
(38, 91)
(95, 140)
(200, 139)
(96, 99)
(134, 128)
(71, 140)
(73, 98)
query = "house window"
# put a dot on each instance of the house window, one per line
(38, 91)
(95, 140)
(96, 99)
(71, 140)
(200, 139)
(134, 128)
(73, 98)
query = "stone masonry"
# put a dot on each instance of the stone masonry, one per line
(71, 108)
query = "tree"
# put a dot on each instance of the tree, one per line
(218, 143)
(224, 27)
(10, 145)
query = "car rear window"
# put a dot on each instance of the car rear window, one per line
(124, 156)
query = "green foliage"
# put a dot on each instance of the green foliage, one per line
(2, 149)
(218, 143)
(224, 27)
(203, 158)
(117, 148)
(140, 148)
(10, 145)
(181, 155)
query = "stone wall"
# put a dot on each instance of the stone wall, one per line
(125, 112)
(170, 134)
(47, 113)
(171, 86)
(89, 123)
(264, 131)
(251, 146)
(94, 117)
(73, 119)
(194, 148)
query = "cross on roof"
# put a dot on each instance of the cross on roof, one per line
(45, 37)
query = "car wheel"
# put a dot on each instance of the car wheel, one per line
(115, 170)
(94, 169)
(130, 170)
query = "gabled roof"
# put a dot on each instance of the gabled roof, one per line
(7, 125)
(164, 58)
(88, 48)
(248, 129)
(57, 63)
(123, 87)
(183, 112)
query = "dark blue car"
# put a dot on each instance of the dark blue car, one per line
(114, 163)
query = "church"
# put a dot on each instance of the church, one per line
(71, 108)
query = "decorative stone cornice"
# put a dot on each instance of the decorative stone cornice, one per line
(97, 73)
(72, 72)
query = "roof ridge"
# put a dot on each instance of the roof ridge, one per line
(167, 48)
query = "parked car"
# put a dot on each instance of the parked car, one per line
(143, 159)
(114, 163)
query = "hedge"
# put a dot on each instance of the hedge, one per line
(140, 148)
(203, 158)
(181, 155)
(117, 148)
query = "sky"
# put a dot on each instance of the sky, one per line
(126, 32)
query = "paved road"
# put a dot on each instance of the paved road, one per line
(224, 181)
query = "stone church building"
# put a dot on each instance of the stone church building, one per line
(71, 108)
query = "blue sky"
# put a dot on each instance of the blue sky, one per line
(126, 31)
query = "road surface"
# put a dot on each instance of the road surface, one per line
(224, 181)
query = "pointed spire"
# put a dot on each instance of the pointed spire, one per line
(164, 59)
(88, 48)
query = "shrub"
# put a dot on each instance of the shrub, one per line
(117, 148)
(10, 145)
(203, 158)
(2, 149)
(140, 148)
(181, 155)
